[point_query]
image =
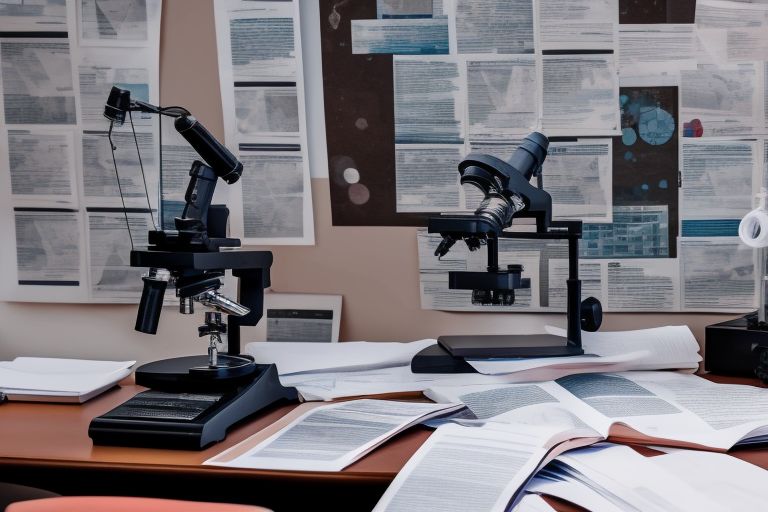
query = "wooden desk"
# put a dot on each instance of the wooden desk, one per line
(47, 445)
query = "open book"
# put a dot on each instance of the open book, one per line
(615, 478)
(485, 461)
(47, 379)
(485, 467)
(663, 408)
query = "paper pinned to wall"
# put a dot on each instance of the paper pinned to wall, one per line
(63, 227)
(261, 76)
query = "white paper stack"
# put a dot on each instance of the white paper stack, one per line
(616, 478)
(44, 379)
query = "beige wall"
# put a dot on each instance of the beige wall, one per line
(375, 269)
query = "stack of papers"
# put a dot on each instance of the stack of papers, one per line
(614, 478)
(43, 379)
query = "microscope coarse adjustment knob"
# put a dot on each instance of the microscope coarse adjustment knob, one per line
(591, 314)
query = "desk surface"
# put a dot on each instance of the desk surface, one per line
(50, 441)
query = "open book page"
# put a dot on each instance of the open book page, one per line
(330, 437)
(470, 468)
(654, 404)
(543, 403)
(735, 413)
(399, 379)
(625, 479)
(661, 407)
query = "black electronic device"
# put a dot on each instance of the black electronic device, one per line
(194, 400)
(507, 193)
(737, 347)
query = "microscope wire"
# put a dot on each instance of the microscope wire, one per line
(141, 166)
(117, 177)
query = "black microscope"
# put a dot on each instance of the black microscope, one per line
(193, 400)
(507, 193)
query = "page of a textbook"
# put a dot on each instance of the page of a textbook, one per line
(474, 468)
(331, 437)
(661, 407)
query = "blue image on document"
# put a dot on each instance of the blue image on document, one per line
(428, 36)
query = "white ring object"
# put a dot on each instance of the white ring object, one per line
(753, 228)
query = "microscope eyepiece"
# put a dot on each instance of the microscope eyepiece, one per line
(529, 156)
(118, 103)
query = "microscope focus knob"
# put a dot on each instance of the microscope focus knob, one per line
(591, 314)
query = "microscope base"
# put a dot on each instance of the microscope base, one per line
(187, 420)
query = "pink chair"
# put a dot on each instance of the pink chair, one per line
(124, 504)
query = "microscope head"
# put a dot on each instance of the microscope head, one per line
(507, 193)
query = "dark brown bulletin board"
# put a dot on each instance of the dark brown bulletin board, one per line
(360, 122)
(656, 11)
(359, 111)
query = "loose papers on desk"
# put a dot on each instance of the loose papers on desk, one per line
(305, 357)
(323, 372)
(329, 437)
(41, 379)
(670, 347)
(664, 408)
(477, 468)
(614, 478)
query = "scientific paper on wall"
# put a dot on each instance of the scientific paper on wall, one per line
(725, 98)
(648, 49)
(53, 143)
(262, 87)
(578, 177)
(739, 31)
(716, 263)
(580, 94)
(580, 25)
(502, 97)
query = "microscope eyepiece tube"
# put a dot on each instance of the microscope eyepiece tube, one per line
(215, 154)
(529, 156)
(151, 303)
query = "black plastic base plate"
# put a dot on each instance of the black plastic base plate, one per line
(189, 421)
(509, 346)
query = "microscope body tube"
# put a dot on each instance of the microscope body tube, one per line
(221, 160)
